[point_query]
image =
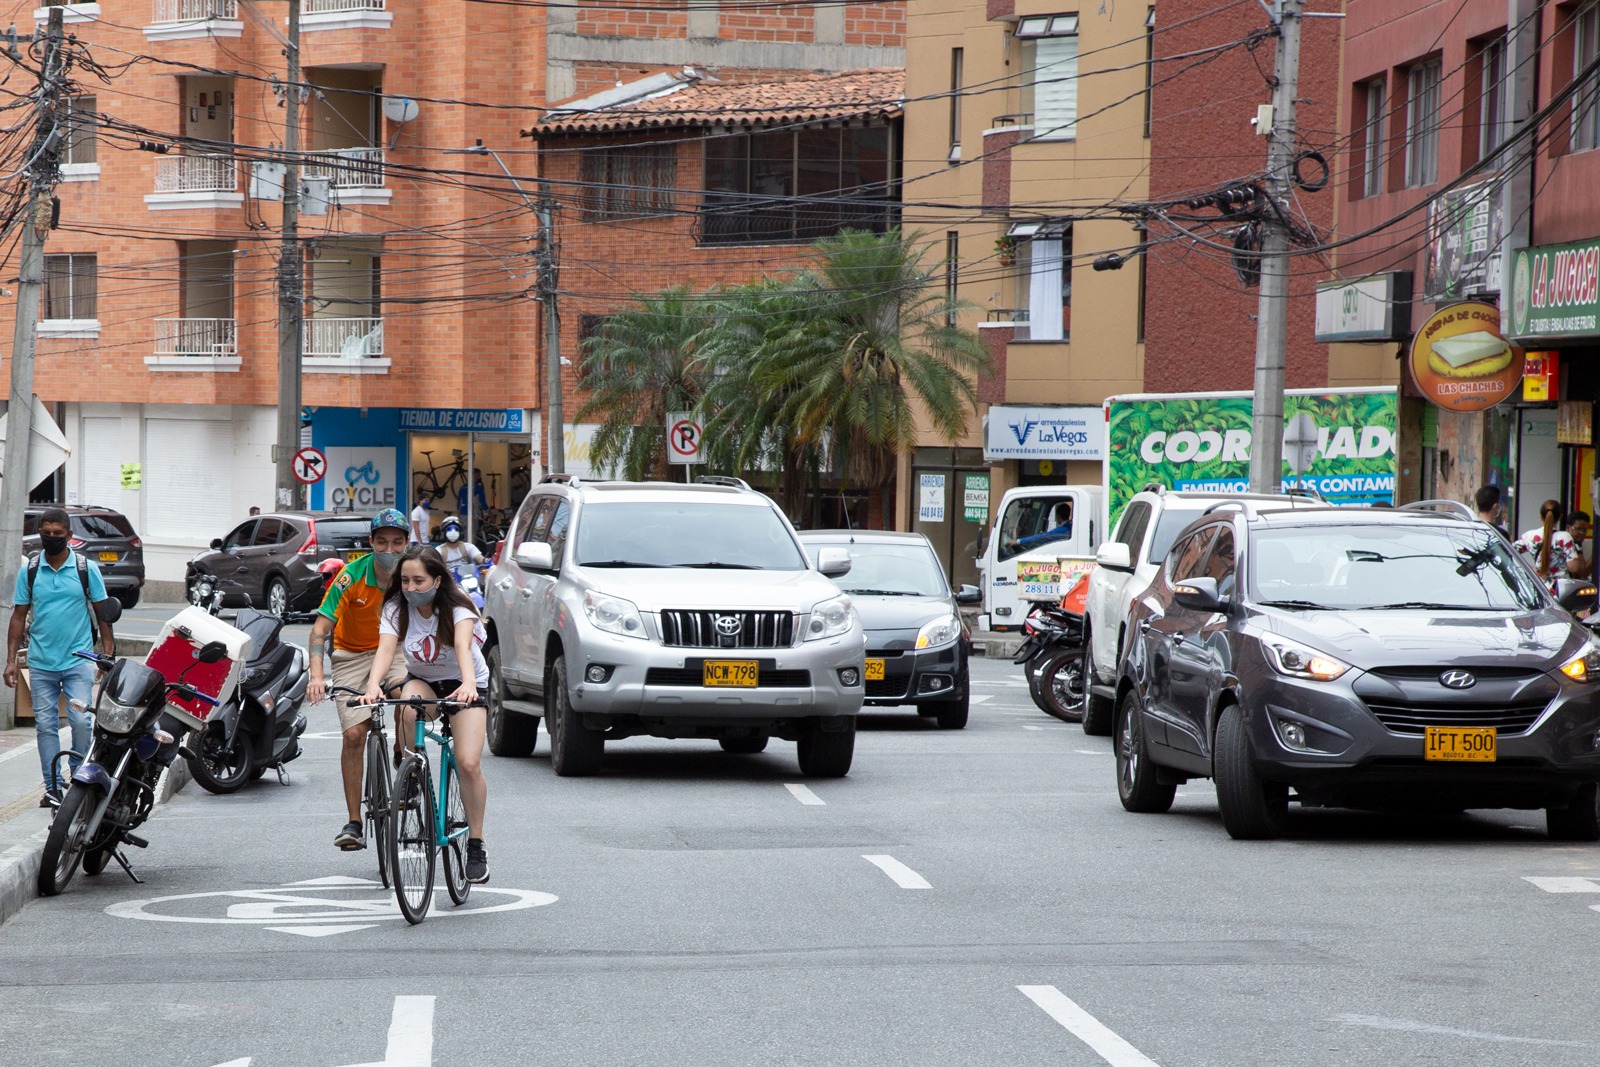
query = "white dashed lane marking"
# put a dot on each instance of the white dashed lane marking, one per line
(899, 873)
(1106, 1044)
(1566, 885)
(803, 795)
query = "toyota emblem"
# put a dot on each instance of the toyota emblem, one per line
(1458, 679)
(729, 625)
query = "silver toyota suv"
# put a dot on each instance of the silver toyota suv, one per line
(623, 608)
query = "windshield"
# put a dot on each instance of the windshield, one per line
(1033, 522)
(344, 533)
(664, 534)
(1390, 566)
(101, 527)
(887, 569)
(1169, 526)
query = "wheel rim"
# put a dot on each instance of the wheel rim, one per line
(1128, 749)
(455, 858)
(413, 831)
(277, 598)
(496, 695)
(225, 767)
(72, 849)
(1067, 686)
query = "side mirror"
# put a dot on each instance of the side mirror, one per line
(212, 652)
(534, 556)
(1198, 594)
(216, 544)
(968, 594)
(833, 562)
(1114, 556)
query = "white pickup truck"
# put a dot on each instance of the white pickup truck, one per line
(1034, 522)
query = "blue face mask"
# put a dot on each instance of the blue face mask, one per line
(420, 598)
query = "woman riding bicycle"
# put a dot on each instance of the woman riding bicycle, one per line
(422, 590)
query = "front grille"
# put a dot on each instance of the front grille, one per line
(1411, 719)
(694, 676)
(1431, 673)
(888, 687)
(699, 629)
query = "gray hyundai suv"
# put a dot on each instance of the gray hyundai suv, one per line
(623, 608)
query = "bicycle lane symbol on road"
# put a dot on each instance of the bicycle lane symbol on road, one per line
(320, 907)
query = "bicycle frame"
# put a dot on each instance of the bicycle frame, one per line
(447, 763)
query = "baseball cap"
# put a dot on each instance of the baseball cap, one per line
(390, 519)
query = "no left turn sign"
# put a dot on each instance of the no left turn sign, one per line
(309, 466)
(684, 434)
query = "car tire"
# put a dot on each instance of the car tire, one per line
(826, 754)
(575, 750)
(510, 734)
(1252, 809)
(1579, 820)
(277, 597)
(1138, 785)
(951, 714)
(746, 746)
(1098, 711)
(128, 598)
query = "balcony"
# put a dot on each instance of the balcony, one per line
(196, 345)
(345, 15)
(196, 181)
(355, 174)
(177, 20)
(344, 346)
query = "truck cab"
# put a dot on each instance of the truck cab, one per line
(1034, 522)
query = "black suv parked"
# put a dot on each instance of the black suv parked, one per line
(270, 561)
(1358, 658)
(105, 536)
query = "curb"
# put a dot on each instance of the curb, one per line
(19, 864)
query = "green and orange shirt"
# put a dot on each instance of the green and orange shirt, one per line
(354, 604)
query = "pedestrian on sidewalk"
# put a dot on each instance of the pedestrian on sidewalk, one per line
(61, 605)
(349, 614)
(421, 524)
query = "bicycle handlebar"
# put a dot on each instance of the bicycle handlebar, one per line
(407, 702)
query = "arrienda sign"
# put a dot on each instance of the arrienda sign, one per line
(1555, 291)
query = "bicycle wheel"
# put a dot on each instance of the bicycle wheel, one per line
(455, 848)
(377, 794)
(413, 848)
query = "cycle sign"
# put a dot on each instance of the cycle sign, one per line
(684, 434)
(309, 466)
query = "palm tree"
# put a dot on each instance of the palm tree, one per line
(641, 364)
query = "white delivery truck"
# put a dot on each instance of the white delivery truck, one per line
(1036, 522)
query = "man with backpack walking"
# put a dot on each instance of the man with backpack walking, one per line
(66, 598)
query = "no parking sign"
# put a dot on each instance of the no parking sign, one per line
(683, 437)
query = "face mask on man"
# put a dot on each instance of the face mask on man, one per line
(420, 598)
(452, 535)
(387, 561)
(53, 545)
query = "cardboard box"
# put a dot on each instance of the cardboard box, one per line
(174, 653)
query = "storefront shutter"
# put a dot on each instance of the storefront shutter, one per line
(189, 479)
(1055, 92)
(102, 475)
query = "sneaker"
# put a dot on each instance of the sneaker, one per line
(350, 839)
(51, 799)
(477, 862)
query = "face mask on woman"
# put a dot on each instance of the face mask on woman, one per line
(452, 535)
(420, 598)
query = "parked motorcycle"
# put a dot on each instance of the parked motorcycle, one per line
(1052, 655)
(114, 790)
(260, 723)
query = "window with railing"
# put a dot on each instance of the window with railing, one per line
(628, 181)
(198, 173)
(346, 168)
(196, 10)
(344, 337)
(1050, 67)
(196, 337)
(82, 120)
(71, 286)
(319, 7)
(798, 185)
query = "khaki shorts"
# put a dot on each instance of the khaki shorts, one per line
(351, 669)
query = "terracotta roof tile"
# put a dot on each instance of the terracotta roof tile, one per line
(876, 93)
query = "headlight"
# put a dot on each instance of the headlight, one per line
(613, 615)
(829, 619)
(939, 632)
(117, 718)
(1585, 666)
(1298, 661)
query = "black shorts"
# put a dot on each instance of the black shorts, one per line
(440, 689)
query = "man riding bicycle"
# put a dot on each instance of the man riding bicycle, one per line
(350, 612)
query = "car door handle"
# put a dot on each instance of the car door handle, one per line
(1144, 626)
(1177, 639)
(527, 594)
(504, 584)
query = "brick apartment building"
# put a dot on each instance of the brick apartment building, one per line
(157, 342)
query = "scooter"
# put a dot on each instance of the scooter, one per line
(260, 723)
(468, 576)
(1052, 658)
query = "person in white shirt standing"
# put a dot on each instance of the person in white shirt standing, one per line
(420, 523)
(443, 662)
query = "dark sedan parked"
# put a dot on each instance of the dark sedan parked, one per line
(104, 535)
(1357, 658)
(270, 561)
(917, 645)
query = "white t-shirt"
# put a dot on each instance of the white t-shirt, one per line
(455, 553)
(428, 657)
(419, 520)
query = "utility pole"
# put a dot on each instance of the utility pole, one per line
(555, 459)
(1272, 316)
(1522, 45)
(43, 170)
(291, 301)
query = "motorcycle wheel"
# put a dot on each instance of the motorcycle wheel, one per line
(69, 836)
(1033, 670)
(219, 771)
(96, 860)
(1062, 685)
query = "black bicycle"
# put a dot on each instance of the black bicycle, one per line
(377, 785)
(428, 482)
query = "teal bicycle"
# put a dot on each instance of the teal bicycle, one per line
(423, 820)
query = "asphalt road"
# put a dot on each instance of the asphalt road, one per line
(972, 897)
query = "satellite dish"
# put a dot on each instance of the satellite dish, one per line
(400, 109)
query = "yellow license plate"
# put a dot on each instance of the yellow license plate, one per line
(109, 557)
(731, 673)
(874, 670)
(351, 557)
(1464, 744)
